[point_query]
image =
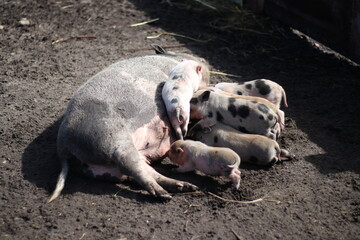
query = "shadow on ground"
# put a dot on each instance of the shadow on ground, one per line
(40, 165)
(322, 88)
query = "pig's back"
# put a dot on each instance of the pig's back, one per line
(129, 89)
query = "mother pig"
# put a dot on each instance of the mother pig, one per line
(116, 124)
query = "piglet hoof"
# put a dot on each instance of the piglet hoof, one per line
(285, 155)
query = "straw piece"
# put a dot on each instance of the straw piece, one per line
(143, 23)
(69, 38)
(235, 201)
(177, 35)
(225, 74)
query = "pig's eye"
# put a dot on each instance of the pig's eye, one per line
(207, 130)
(194, 101)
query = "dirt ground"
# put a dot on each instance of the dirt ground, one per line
(314, 196)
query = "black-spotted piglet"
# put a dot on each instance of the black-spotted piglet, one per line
(184, 79)
(264, 88)
(241, 113)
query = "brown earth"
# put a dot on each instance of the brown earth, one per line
(315, 196)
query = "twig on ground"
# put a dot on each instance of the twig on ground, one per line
(206, 4)
(177, 35)
(225, 74)
(190, 206)
(229, 51)
(67, 6)
(246, 202)
(235, 201)
(74, 37)
(189, 193)
(275, 201)
(150, 48)
(237, 235)
(143, 23)
(186, 225)
(82, 236)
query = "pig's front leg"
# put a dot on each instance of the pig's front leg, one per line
(129, 161)
(188, 166)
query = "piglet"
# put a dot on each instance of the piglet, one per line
(246, 114)
(251, 148)
(194, 155)
(184, 79)
(258, 88)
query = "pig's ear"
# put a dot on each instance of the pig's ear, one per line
(205, 96)
(158, 49)
(198, 69)
(179, 150)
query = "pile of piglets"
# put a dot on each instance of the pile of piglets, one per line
(235, 122)
(137, 111)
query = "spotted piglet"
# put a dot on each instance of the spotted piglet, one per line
(251, 148)
(280, 125)
(245, 115)
(258, 88)
(184, 79)
(194, 155)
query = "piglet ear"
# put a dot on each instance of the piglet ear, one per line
(205, 96)
(198, 69)
(179, 150)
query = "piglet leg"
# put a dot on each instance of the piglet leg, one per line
(186, 167)
(235, 177)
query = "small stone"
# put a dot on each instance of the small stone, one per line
(24, 22)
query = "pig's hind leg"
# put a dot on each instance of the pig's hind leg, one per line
(110, 173)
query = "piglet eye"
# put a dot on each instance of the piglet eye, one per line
(207, 130)
(194, 101)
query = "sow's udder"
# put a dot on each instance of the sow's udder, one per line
(153, 140)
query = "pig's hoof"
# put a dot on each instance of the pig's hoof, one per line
(165, 197)
(156, 190)
(186, 187)
(161, 193)
(173, 185)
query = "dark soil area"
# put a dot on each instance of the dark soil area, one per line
(314, 196)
